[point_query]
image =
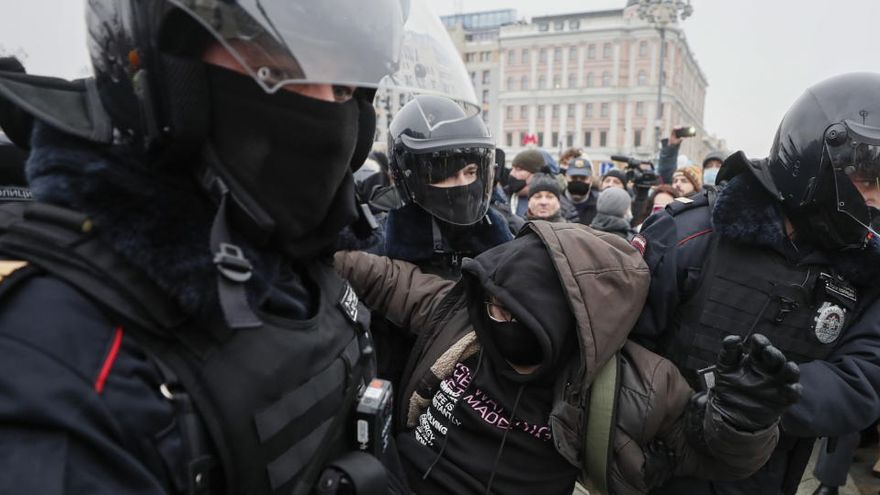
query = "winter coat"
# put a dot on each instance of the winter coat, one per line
(612, 225)
(597, 271)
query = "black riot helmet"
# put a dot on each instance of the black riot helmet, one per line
(151, 96)
(827, 139)
(442, 159)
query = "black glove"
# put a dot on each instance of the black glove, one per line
(754, 384)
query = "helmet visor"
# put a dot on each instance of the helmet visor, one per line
(398, 44)
(453, 185)
(855, 166)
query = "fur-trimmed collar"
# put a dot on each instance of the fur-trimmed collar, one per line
(744, 212)
(159, 221)
(409, 235)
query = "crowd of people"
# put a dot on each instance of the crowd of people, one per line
(212, 281)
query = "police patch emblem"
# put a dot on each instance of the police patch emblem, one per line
(349, 303)
(829, 322)
(639, 242)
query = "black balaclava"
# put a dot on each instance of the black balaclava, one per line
(288, 154)
(521, 275)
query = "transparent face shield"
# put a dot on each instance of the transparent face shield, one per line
(398, 45)
(453, 185)
(853, 151)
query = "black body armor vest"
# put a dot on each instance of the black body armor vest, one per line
(272, 398)
(802, 308)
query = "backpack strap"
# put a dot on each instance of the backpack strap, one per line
(601, 423)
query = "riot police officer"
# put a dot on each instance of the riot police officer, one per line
(443, 163)
(170, 320)
(786, 248)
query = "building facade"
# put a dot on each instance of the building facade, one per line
(587, 80)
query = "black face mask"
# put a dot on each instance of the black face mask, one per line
(514, 186)
(577, 188)
(288, 154)
(459, 205)
(515, 342)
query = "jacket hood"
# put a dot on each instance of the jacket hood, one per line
(608, 223)
(589, 271)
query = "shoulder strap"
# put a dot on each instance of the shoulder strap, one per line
(600, 424)
(62, 242)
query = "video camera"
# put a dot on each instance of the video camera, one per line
(638, 171)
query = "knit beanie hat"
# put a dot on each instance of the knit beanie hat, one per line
(693, 175)
(529, 160)
(614, 202)
(616, 172)
(544, 182)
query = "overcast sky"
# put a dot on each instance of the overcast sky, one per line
(758, 55)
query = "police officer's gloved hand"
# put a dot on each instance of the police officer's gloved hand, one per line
(754, 384)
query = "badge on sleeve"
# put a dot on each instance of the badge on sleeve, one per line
(639, 242)
(829, 322)
(349, 303)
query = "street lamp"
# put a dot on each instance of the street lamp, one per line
(660, 13)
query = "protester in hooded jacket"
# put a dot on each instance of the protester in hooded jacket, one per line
(494, 401)
(611, 210)
(544, 199)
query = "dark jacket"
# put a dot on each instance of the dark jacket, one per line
(586, 210)
(79, 398)
(840, 394)
(597, 271)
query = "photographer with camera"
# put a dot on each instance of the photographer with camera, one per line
(640, 176)
(667, 162)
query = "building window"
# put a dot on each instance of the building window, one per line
(606, 50)
(510, 83)
(487, 76)
(574, 24)
(569, 140)
(572, 54)
(643, 49)
(559, 25)
(485, 56)
(509, 112)
(606, 79)
(643, 78)
(543, 27)
(640, 108)
(473, 78)
(557, 81)
(469, 57)
(540, 111)
(570, 111)
(555, 111)
(524, 82)
(542, 56)
(572, 80)
(589, 79)
(603, 112)
(511, 56)
(542, 82)
(509, 139)
(554, 139)
(591, 52)
(524, 111)
(557, 55)
(485, 96)
(589, 110)
(588, 139)
(525, 55)
(603, 139)
(637, 138)
(540, 139)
